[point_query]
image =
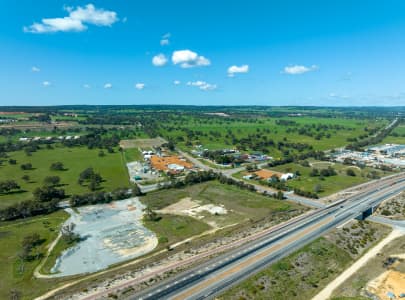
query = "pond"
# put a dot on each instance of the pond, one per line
(111, 233)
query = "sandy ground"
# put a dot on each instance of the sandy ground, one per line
(189, 207)
(328, 290)
(389, 281)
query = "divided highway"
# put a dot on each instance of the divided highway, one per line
(219, 273)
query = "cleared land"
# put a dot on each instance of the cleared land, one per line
(142, 143)
(75, 160)
(241, 205)
(387, 262)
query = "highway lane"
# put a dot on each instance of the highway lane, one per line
(179, 287)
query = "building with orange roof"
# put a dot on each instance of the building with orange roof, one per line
(267, 174)
(169, 163)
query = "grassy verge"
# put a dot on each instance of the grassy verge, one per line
(297, 276)
(171, 229)
(60, 246)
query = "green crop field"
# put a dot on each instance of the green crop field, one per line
(75, 160)
(16, 274)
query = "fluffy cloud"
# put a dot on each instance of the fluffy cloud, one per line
(298, 69)
(75, 21)
(176, 82)
(86, 86)
(189, 59)
(46, 83)
(202, 85)
(232, 70)
(159, 60)
(139, 86)
(108, 85)
(35, 69)
(164, 41)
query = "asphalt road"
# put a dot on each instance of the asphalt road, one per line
(219, 273)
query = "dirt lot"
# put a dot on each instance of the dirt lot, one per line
(383, 273)
(142, 143)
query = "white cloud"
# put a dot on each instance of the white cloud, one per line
(176, 82)
(139, 86)
(46, 83)
(189, 59)
(202, 85)
(35, 69)
(299, 69)
(164, 41)
(86, 86)
(159, 60)
(232, 70)
(334, 95)
(75, 21)
(108, 85)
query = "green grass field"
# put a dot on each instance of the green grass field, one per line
(330, 184)
(171, 229)
(244, 127)
(132, 154)
(397, 136)
(111, 168)
(17, 275)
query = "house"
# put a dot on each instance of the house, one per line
(287, 176)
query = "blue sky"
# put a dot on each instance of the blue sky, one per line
(204, 53)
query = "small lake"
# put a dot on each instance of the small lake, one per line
(112, 233)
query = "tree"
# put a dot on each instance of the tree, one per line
(51, 181)
(57, 166)
(101, 153)
(350, 172)
(317, 188)
(7, 186)
(15, 294)
(94, 179)
(314, 172)
(27, 166)
(26, 178)
(12, 161)
(48, 193)
(151, 215)
(68, 233)
(28, 243)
